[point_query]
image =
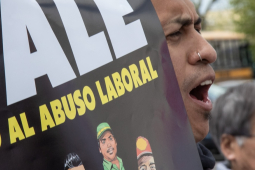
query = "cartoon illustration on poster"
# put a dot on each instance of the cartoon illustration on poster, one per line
(89, 84)
(108, 147)
(73, 162)
(144, 154)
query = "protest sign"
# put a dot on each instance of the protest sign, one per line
(89, 84)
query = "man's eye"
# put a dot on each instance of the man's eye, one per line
(176, 34)
(103, 141)
(153, 167)
(142, 168)
(174, 37)
(198, 30)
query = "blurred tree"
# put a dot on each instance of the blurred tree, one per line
(198, 5)
(244, 19)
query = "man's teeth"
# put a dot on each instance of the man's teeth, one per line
(110, 150)
(206, 82)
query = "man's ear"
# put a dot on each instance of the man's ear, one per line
(229, 146)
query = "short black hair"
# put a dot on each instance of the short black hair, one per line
(233, 112)
(72, 160)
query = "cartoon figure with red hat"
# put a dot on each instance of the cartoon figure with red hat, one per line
(144, 154)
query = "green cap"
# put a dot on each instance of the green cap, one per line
(101, 128)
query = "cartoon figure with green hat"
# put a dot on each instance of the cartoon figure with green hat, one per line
(108, 147)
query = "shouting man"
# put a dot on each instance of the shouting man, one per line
(191, 56)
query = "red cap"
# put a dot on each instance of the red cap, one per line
(142, 146)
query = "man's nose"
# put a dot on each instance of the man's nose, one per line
(109, 144)
(202, 51)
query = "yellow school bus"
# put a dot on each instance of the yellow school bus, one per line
(234, 57)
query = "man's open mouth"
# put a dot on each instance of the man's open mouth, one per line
(200, 93)
(110, 150)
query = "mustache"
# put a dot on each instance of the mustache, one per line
(109, 149)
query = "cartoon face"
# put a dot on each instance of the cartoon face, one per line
(146, 163)
(108, 146)
(81, 167)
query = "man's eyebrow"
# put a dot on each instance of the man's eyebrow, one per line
(186, 21)
(182, 21)
(198, 21)
(152, 163)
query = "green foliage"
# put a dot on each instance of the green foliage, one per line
(198, 4)
(244, 19)
(245, 10)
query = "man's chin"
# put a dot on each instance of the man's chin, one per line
(200, 133)
(111, 158)
(199, 120)
(200, 126)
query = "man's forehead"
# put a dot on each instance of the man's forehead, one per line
(169, 10)
(146, 159)
(106, 134)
